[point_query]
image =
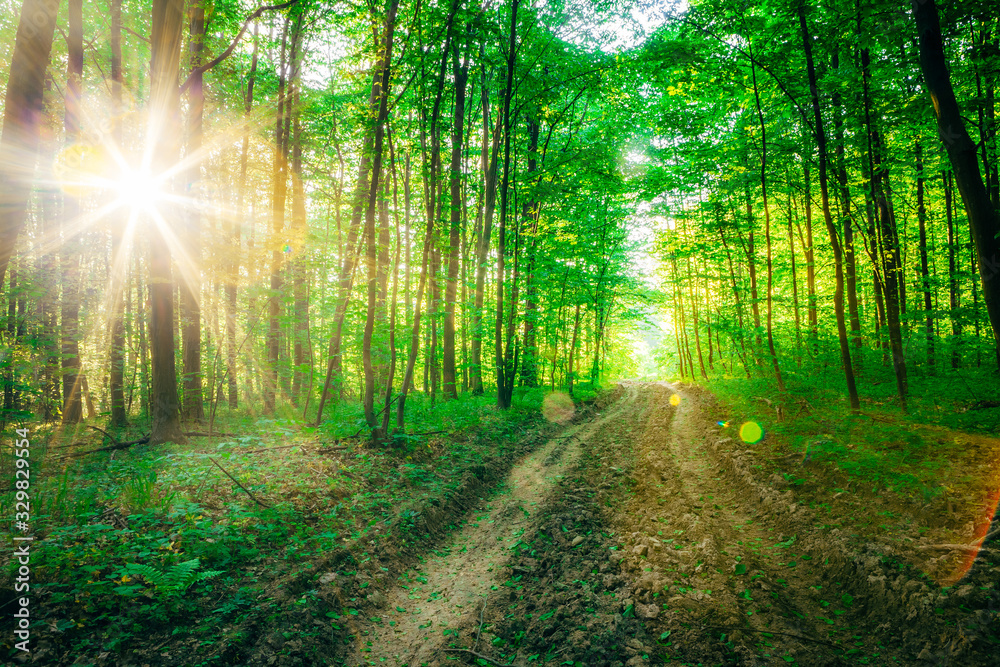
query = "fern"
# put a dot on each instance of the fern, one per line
(175, 580)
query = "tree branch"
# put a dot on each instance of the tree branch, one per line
(252, 496)
(229, 50)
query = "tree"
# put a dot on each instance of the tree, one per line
(984, 221)
(163, 133)
(22, 112)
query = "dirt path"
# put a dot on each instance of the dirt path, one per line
(428, 605)
(651, 534)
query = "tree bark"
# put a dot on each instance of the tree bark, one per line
(767, 241)
(22, 112)
(530, 213)
(71, 247)
(381, 94)
(810, 254)
(190, 293)
(925, 277)
(505, 371)
(279, 184)
(838, 298)
(454, 231)
(299, 231)
(984, 221)
(119, 272)
(167, 22)
(954, 293)
(850, 263)
(236, 232)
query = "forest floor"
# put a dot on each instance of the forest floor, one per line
(647, 534)
(643, 530)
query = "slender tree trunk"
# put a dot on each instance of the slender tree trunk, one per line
(530, 213)
(72, 247)
(454, 231)
(751, 255)
(380, 91)
(850, 263)
(333, 383)
(236, 233)
(49, 269)
(925, 277)
(694, 316)
(300, 290)
(795, 283)
(572, 350)
(119, 261)
(279, 182)
(505, 373)
(954, 294)
(145, 368)
(767, 240)
(810, 255)
(838, 298)
(190, 286)
(484, 227)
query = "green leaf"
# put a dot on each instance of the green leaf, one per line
(846, 599)
(741, 568)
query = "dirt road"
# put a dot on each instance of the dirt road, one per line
(647, 534)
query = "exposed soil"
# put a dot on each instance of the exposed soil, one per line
(644, 532)
(648, 535)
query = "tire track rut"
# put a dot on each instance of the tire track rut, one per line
(430, 604)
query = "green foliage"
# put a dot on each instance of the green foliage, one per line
(171, 582)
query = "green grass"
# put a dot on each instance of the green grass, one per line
(145, 540)
(882, 447)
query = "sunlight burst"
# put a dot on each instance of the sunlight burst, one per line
(138, 190)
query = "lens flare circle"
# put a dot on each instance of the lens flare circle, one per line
(751, 432)
(675, 400)
(558, 407)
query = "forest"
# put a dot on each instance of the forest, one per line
(569, 332)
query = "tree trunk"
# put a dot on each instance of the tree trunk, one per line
(530, 213)
(190, 307)
(767, 240)
(984, 221)
(454, 232)
(380, 91)
(299, 232)
(850, 263)
(490, 159)
(810, 255)
(236, 233)
(505, 372)
(838, 298)
(694, 316)
(333, 382)
(954, 294)
(572, 349)
(22, 114)
(925, 277)
(72, 248)
(165, 43)
(279, 183)
(795, 283)
(119, 262)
